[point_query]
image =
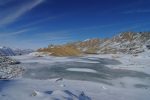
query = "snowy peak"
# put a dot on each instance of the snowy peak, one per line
(5, 51)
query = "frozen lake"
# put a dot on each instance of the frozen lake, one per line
(79, 78)
(82, 68)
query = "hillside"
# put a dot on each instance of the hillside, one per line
(125, 42)
(65, 50)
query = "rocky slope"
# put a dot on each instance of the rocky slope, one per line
(126, 42)
(9, 68)
(65, 50)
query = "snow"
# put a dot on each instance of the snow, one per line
(86, 40)
(9, 69)
(82, 70)
(82, 86)
(34, 57)
(27, 89)
(141, 62)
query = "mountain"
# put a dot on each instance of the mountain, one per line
(90, 46)
(64, 50)
(22, 51)
(5, 51)
(125, 42)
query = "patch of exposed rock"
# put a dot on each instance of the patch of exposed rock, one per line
(9, 68)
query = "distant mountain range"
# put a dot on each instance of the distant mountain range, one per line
(6, 51)
(125, 42)
(22, 51)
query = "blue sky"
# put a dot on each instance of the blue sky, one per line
(37, 23)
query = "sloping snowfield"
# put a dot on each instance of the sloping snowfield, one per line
(92, 77)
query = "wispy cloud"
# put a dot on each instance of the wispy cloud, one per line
(13, 13)
(41, 21)
(13, 33)
(137, 11)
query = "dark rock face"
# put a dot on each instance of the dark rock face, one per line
(148, 47)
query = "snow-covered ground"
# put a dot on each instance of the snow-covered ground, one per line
(91, 77)
(140, 62)
(27, 89)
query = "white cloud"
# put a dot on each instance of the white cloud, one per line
(12, 14)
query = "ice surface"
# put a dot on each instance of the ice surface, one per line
(112, 77)
(82, 70)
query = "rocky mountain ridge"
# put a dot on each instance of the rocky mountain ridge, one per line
(125, 42)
